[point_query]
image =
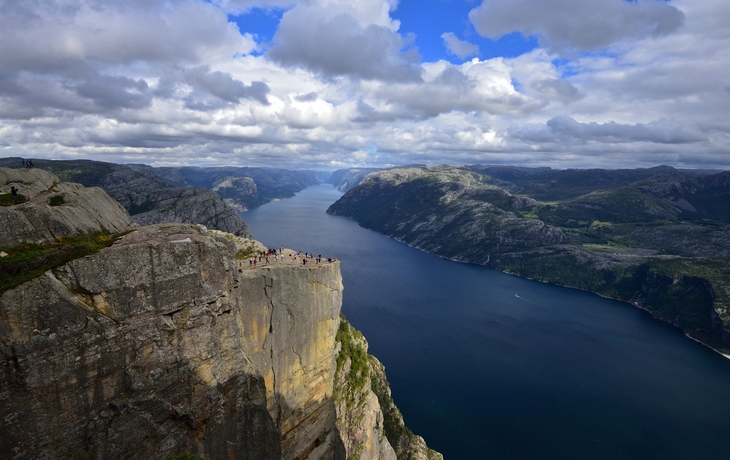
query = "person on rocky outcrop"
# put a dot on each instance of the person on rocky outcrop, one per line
(14, 193)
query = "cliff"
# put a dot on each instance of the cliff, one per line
(660, 243)
(75, 210)
(188, 205)
(147, 198)
(345, 179)
(371, 425)
(165, 342)
(158, 345)
(242, 188)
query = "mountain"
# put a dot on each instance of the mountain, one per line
(119, 341)
(345, 179)
(551, 184)
(148, 198)
(633, 241)
(242, 188)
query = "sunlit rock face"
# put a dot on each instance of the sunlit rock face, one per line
(159, 344)
(82, 210)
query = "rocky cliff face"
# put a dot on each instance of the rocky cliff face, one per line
(164, 343)
(442, 209)
(241, 193)
(148, 198)
(159, 345)
(345, 179)
(370, 424)
(81, 210)
(188, 204)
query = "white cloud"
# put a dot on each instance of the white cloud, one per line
(567, 129)
(40, 35)
(176, 83)
(460, 48)
(343, 38)
(576, 25)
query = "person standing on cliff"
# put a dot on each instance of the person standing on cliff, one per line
(14, 193)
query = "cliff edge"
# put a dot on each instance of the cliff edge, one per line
(165, 342)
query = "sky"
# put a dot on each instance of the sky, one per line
(330, 84)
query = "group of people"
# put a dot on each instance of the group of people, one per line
(27, 163)
(265, 257)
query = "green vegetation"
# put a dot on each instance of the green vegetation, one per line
(6, 199)
(655, 237)
(351, 341)
(27, 261)
(56, 200)
(358, 452)
(245, 253)
(393, 425)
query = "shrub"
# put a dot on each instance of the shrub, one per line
(57, 200)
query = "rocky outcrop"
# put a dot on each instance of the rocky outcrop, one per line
(345, 179)
(166, 342)
(371, 425)
(441, 209)
(141, 192)
(241, 193)
(159, 345)
(79, 210)
(188, 204)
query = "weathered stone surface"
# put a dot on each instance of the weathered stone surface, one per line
(84, 210)
(188, 205)
(165, 343)
(240, 193)
(359, 418)
(159, 345)
(371, 426)
(141, 192)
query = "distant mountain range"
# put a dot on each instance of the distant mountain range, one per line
(658, 238)
(209, 196)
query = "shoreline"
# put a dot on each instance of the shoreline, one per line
(633, 304)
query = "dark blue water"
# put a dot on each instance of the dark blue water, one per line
(487, 365)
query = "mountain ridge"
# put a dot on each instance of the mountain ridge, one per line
(619, 243)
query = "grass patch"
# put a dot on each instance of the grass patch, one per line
(351, 348)
(245, 253)
(27, 261)
(56, 200)
(6, 199)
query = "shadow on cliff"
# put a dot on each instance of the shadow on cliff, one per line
(314, 434)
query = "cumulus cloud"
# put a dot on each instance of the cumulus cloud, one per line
(564, 128)
(576, 25)
(472, 86)
(225, 87)
(460, 48)
(309, 97)
(174, 83)
(340, 38)
(40, 35)
(556, 89)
